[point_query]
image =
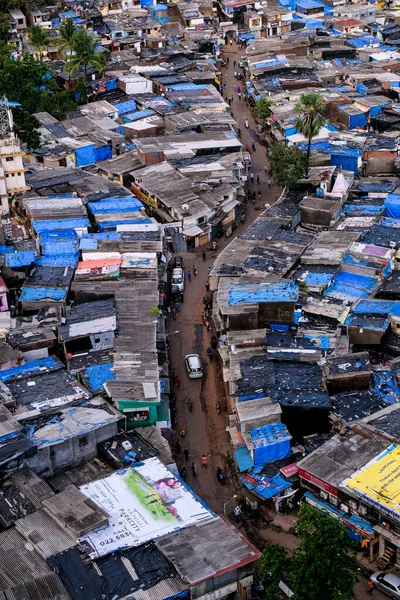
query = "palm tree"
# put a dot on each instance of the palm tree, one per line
(84, 47)
(68, 34)
(310, 120)
(39, 39)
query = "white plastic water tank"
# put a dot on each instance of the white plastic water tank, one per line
(126, 445)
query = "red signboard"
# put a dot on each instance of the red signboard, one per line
(290, 470)
(318, 482)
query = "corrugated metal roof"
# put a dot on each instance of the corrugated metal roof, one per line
(46, 536)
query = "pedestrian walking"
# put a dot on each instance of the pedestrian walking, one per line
(251, 179)
(234, 88)
(177, 306)
(266, 169)
(204, 256)
(203, 319)
(239, 90)
(239, 96)
(253, 147)
(269, 183)
(174, 313)
(178, 382)
(258, 180)
(178, 446)
(207, 286)
(209, 270)
(259, 194)
(194, 271)
(254, 195)
(370, 587)
(194, 470)
(169, 310)
(208, 325)
(237, 512)
(234, 64)
(186, 453)
(189, 276)
(230, 42)
(230, 100)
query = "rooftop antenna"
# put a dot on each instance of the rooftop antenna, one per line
(6, 120)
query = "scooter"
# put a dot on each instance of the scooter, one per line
(220, 476)
(246, 123)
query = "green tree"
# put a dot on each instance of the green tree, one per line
(273, 563)
(288, 164)
(262, 108)
(30, 83)
(310, 119)
(5, 33)
(324, 563)
(68, 34)
(26, 128)
(39, 39)
(85, 55)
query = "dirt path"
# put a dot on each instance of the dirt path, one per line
(206, 430)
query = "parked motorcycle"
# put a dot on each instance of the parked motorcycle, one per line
(220, 476)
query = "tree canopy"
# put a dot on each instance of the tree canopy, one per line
(29, 82)
(288, 164)
(273, 564)
(322, 566)
(262, 108)
(85, 54)
(39, 39)
(310, 119)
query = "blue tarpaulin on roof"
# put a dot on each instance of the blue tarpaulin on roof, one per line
(99, 374)
(385, 386)
(102, 153)
(24, 258)
(49, 226)
(266, 487)
(111, 84)
(125, 107)
(377, 307)
(58, 260)
(243, 459)
(277, 291)
(40, 365)
(392, 206)
(59, 242)
(349, 286)
(140, 114)
(113, 224)
(85, 156)
(39, 294)
(270, 443)
(116, 205)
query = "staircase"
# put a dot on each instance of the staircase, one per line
(385, 560)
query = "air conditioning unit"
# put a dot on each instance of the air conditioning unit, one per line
(353, 505)
(324, 495)
(344, 508)
(362, 509)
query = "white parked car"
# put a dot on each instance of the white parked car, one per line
(178, 279)
(387, 583)
(193, 366)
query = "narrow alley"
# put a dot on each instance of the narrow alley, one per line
(206, 430)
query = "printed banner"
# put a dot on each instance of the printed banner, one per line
(144, 503)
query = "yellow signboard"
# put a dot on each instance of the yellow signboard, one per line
(143, 197)
(380, 479)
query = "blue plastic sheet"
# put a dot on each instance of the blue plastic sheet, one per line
(270, 443)
(102, 153)
(243, 459)
(40, 294)
(42, 364)
(277, 291)
(392, 206)
(98, 375)
(85, 156)
(265, 487)
(20, 259)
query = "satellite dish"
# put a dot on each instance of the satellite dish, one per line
(185, 207)
(267, 205)
(74, 195)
